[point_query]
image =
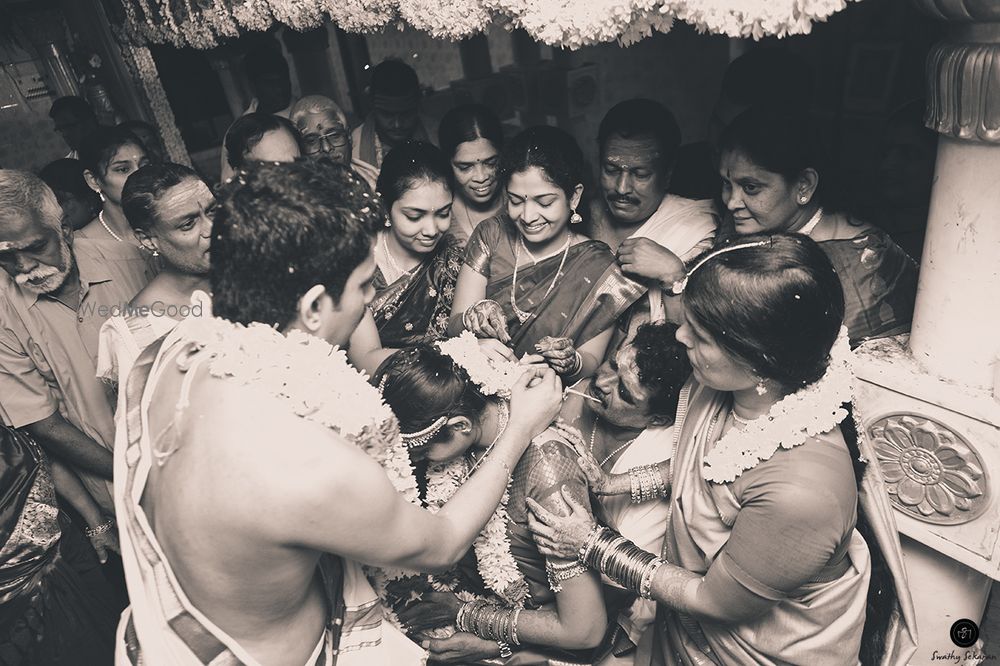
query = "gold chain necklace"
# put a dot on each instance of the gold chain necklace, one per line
(593, 436)
(521, 314)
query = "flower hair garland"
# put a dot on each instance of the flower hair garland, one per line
(808, 412)
(491, 376)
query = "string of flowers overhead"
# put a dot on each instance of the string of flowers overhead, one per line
(567, 24)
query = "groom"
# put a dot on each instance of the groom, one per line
(246, 486)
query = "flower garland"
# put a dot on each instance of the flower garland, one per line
(808, 412)
(497, 565)
(492, 377)
(143, 68)
(559, 23)
(314, 379)
(445, 19)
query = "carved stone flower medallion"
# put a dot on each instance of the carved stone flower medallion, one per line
(931, 473)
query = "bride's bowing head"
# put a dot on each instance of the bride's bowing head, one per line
(440, 410)
(762, 311)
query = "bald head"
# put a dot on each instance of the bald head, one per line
(323, 126)
(34, 245)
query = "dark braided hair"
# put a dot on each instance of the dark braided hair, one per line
(421, 385)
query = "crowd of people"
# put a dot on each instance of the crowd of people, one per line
(387, 393)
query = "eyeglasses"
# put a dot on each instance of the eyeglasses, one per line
(334, 139)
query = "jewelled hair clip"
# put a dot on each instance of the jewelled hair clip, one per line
(419, 438)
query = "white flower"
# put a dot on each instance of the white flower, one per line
(492, 377)
(808, 412)
(446, 19)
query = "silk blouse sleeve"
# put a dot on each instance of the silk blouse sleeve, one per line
(796, 514)
(479, 248)
(553, 468)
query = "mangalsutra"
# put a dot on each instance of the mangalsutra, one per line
(503, 418)
(521, 314)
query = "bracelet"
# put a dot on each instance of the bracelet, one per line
(559, 573)
(646, 483)
(577, 364)
(505, 651)
(622, 561)
(513, 626)
(581, 555)
(104, 527)
(469, 309)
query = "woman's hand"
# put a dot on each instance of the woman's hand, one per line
(647, 259)
(560, 354)
(600, 481)
(560, 536)
(461, 648)
(105, 542)
(535, 400)
(435, 609)
(487, 320)
(497, 351)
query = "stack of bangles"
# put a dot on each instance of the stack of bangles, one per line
(560, 573)
(490, 622)
(647, 484)
(98, 530)
(620, 560)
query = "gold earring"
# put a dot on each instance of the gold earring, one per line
(575, 218)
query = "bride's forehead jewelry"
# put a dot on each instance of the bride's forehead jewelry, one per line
(677, 288)
(419, 438)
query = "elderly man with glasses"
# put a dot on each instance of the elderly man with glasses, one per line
(323, 126)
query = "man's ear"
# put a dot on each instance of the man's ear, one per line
(146, 240)
(309, 308)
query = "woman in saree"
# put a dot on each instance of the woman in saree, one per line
(530, 280)
(772, 170)
(417, 260)
(550, 609)
(169, 208)
(55, 605)
(471, 137)
(109, 157)
(768, 557)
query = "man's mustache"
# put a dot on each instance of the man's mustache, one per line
(42, 272)
(613, 198)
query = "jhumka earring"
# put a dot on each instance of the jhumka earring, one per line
(575, 218)
(388, 224)
(101, 194)
(761, 387)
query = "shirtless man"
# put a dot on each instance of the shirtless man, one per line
(250, 491)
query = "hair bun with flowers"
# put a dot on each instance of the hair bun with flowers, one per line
(493, 377)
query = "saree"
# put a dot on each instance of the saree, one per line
(580, 302)
(55, 605)
(416, 307)
(879, 280)
(162, 626)
(819, 622)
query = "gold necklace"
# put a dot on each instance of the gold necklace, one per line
(593, 436)
(503, 418)
(521, 314)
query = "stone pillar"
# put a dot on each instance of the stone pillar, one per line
(927, 400)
